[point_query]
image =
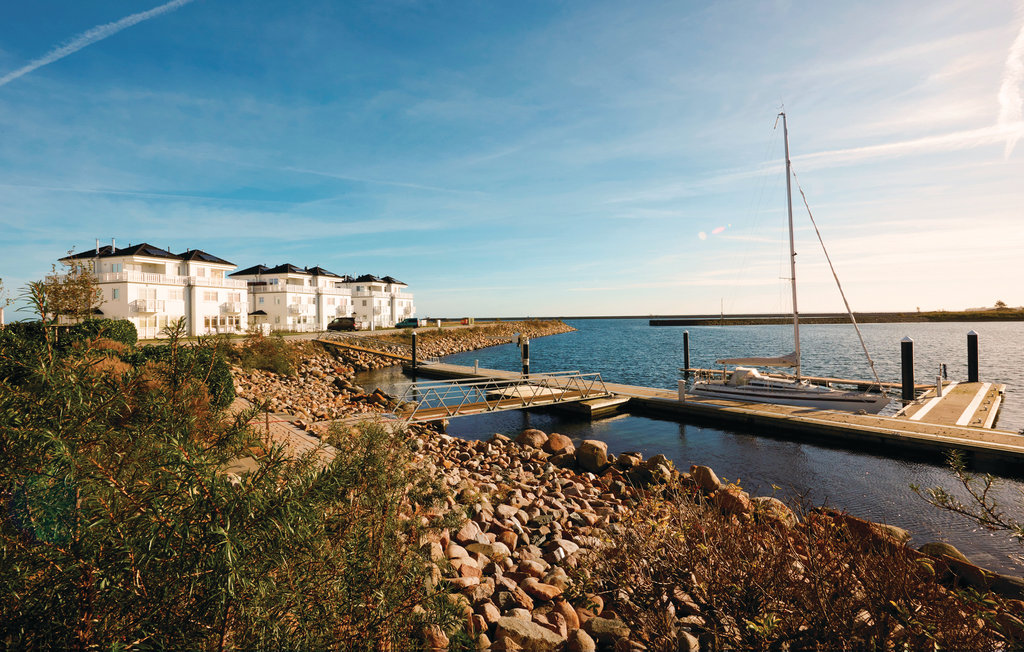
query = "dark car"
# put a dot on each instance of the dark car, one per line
(411, 322)
(342, 324)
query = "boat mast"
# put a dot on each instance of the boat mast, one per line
(792, 247)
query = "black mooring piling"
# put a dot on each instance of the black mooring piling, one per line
(414, 352)
(972, 357)
(907, 362)
(525, 344)
(686, 354)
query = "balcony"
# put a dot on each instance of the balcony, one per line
(209, 281)
(281, 287)
(231, 307)
(147, 306)
(300, 309)
(140, 277)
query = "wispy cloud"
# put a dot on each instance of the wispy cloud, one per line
(89, 37)
(1010, 99)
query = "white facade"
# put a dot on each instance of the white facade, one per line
(380, 302)
(152, 288)
(289, 298)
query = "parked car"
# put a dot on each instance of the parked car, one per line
(411, 322)
(343, 324)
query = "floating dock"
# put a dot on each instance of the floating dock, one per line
(960, 419)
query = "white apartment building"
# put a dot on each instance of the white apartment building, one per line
(304, 299)
(152, 287)
(380, 302)
(290, 298)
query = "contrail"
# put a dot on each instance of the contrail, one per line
(95, 34)
(1010, 99)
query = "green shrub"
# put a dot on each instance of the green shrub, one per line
(273, 354)
(120, 525)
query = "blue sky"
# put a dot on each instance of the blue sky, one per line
(529, 158)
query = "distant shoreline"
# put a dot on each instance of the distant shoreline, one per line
(754, 319)
(1008, 314)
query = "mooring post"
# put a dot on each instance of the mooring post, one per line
(972, 357)
(476, 366)
(938, 383)
(686, 354)
(907, 361)
(414, 353)
(525, 344)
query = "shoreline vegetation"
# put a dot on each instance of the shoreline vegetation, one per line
(127, 522)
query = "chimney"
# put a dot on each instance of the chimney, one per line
(97, 246)
(113, 245)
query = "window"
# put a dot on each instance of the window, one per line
(115, 294)
(200, 271)
(210, 295)
(176, 295)
(235, 296)
(364, 302)
(261, 301)
(115, 267)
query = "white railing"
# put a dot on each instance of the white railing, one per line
(281, 287)
(213, 282)
(231, 307)
(299, 309)
(402, 295)
(334, 291)
(140, 277)
(148, 305)
(368, 293)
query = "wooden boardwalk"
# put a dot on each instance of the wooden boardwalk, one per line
(942, 427)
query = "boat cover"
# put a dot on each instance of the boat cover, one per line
(788, 360)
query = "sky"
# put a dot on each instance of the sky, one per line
(529, 158)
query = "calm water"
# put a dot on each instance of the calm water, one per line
(850, 477)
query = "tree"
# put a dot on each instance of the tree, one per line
(74, 294)
(1000, 305)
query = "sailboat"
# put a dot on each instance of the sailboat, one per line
(745, 383)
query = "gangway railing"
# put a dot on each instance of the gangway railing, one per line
(436, 400)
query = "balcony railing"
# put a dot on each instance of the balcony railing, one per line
(231, 307)
(213, 282)
(281, 287)
(140, 277)
(300, 309)
(148, 305)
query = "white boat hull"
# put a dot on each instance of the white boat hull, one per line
(800, 395)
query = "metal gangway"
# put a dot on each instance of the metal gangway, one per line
(437, 400)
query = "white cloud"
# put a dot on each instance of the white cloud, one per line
(1010, 99)
(89, 37)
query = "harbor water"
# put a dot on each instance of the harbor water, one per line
(867, 482)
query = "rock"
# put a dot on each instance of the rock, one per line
(606, 630)
(532, 437)
(705, 478)
(435, 638)
(572, 621)
(490, 550)
(539, 590)
(732, 500)
(688, 642)
(897, 533)
(775, 510)
(558, 444)
(938, 549)
(580, 641)
(592, 455)
(530, 636)
(468, 533)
